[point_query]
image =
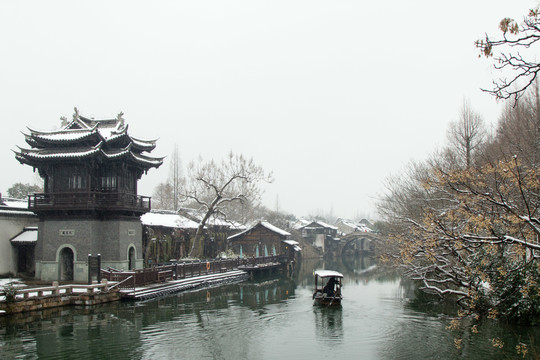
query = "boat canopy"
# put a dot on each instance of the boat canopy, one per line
(327, 273)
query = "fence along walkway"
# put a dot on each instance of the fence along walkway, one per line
(56, 289)
(129, 280)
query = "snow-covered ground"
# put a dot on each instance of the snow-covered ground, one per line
(17, 282)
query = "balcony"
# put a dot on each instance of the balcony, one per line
(89, 200)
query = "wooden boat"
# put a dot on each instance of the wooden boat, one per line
(327, 287)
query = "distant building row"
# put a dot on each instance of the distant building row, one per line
(90, 206)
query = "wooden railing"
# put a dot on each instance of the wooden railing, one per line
(137, 278)
(85, 200)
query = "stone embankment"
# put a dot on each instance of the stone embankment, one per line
(32, 299)
(54, 296)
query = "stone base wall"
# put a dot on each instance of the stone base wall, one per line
(52, 301)
(111, 238)
(49, 271)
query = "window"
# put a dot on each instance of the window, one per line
(77, 182)
(108, 181)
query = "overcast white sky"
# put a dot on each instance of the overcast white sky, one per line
(332, 96)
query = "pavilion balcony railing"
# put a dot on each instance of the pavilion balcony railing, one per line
(88, 200)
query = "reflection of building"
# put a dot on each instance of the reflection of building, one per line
(257, 295)
(90, 204)
(18, 237)
(262, 239)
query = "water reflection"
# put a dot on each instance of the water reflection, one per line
(381, 317)
(60, 333)
(329, 324)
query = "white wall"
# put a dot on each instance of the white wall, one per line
(11, 225)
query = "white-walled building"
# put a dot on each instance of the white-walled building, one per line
(18, 236)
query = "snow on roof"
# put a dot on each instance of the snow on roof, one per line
(10, 206)
(266, 225)
(14, 203)
(293, 243)
(300, 223)
(146, 159)
(28, 236)
(303, 223)
(274, 228)
(167, 219)
(290, 242)
(355, 226)
(323, 224)
(65, 135)
(77, 153)
(107, 132)
(214, 220)
(143, 142)
(328, 273)
(82, 127)
(8, 212)
(47, 154)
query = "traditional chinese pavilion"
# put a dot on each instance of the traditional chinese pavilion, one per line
(90, 204)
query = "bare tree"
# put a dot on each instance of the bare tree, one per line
(467, 133)
(518, 131)
(212, 186)
(167, 195)
(176, 178)
(471, 233)
(505, 50)
(161, 198)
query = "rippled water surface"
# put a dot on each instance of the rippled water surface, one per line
(264, 319)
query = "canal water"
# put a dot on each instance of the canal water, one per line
(271, 318)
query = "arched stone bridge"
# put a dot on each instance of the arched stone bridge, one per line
(357, 243)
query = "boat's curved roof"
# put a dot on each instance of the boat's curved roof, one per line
(328, 273)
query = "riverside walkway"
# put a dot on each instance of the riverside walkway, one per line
(143, 284)
(173, 286)
(166, 279)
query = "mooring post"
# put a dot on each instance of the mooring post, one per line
(98, 268)
(89, 269)
(105, 284)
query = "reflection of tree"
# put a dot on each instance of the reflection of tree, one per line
(363, 268)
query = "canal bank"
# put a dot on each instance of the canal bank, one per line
(57, 298)
(40, 298)
(380, 318)
(142, 284)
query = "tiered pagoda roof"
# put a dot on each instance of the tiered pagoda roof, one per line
(85, 139)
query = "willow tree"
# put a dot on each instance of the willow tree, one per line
(213, 186)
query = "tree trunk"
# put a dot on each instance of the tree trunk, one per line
(197, 247)
(198, 241)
